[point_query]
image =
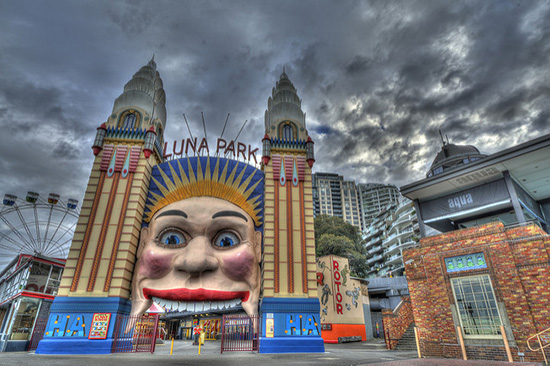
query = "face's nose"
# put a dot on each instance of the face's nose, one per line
(198, 258)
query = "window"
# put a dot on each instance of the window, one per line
(38, 278)
(24, 319)
(129, 121)
(477, 306)
(287, 133)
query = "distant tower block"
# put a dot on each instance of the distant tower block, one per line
(289, 266)
(98, 273)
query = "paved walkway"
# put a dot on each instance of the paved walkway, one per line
(450, 362)
(184, 353)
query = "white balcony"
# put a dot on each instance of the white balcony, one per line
(376, 258)
(398, 235)
(394, 259)
(375, 250)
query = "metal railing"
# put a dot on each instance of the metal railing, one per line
(543, 340)
(135, 333)
(240, 333)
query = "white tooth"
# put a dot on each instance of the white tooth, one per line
(187, 306)
(216, 305)
(181, 306)
(199, 306)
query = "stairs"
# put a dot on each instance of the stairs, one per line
(407, 341)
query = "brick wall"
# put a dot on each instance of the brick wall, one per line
(519, 268)
(397, 321)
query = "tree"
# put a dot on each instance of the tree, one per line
(335, 236)
(325, 224)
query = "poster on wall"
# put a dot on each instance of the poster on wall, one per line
(270, 328)
(100, 326)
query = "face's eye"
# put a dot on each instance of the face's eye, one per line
(172, 239)
(226, 239)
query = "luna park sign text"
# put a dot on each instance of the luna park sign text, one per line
(191, 146)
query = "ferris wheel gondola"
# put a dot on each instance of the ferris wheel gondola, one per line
(36, 226)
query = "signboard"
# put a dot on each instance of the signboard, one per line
(463, 201)
(99, 326)
(465, 262)
(339, 294)
(193, 147)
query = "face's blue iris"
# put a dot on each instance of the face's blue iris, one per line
(172, 238)
(226, 239)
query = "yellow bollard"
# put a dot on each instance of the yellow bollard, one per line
(417, 343)
(506, 345)
(199, 347)
(172, 348)
(462, 346)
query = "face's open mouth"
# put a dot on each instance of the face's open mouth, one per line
(196, 300)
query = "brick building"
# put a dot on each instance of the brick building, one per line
(479, 279)
(490, 267)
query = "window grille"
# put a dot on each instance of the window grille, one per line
(477, 306)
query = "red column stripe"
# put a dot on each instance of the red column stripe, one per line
(303, 238)
(118, 234)
(290, 251)
(103, 233)
(276, 239)
(85, 242)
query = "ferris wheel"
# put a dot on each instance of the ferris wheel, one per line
(35, 225)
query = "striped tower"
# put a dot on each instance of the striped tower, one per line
(290, 306)
(97, 276)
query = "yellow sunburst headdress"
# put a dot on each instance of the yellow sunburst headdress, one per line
(230, 180)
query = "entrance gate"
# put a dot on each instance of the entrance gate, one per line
(135, 333)
(240, 333)
(37, 333)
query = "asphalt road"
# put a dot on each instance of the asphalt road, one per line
(360, 353)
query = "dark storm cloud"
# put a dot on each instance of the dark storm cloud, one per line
(378, 79)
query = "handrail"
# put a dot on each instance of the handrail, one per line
(541, 347)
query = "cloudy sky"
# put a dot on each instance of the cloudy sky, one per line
(378, 79)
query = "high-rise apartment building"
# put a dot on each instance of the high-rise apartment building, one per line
(334, 196)
(374, 197)
(392, 230)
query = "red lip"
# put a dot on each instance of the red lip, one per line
(200, 294)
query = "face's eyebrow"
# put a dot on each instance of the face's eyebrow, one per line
(229, 213)
(172, 213)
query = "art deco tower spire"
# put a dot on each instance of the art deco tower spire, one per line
(284, 118)
(142, 103)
